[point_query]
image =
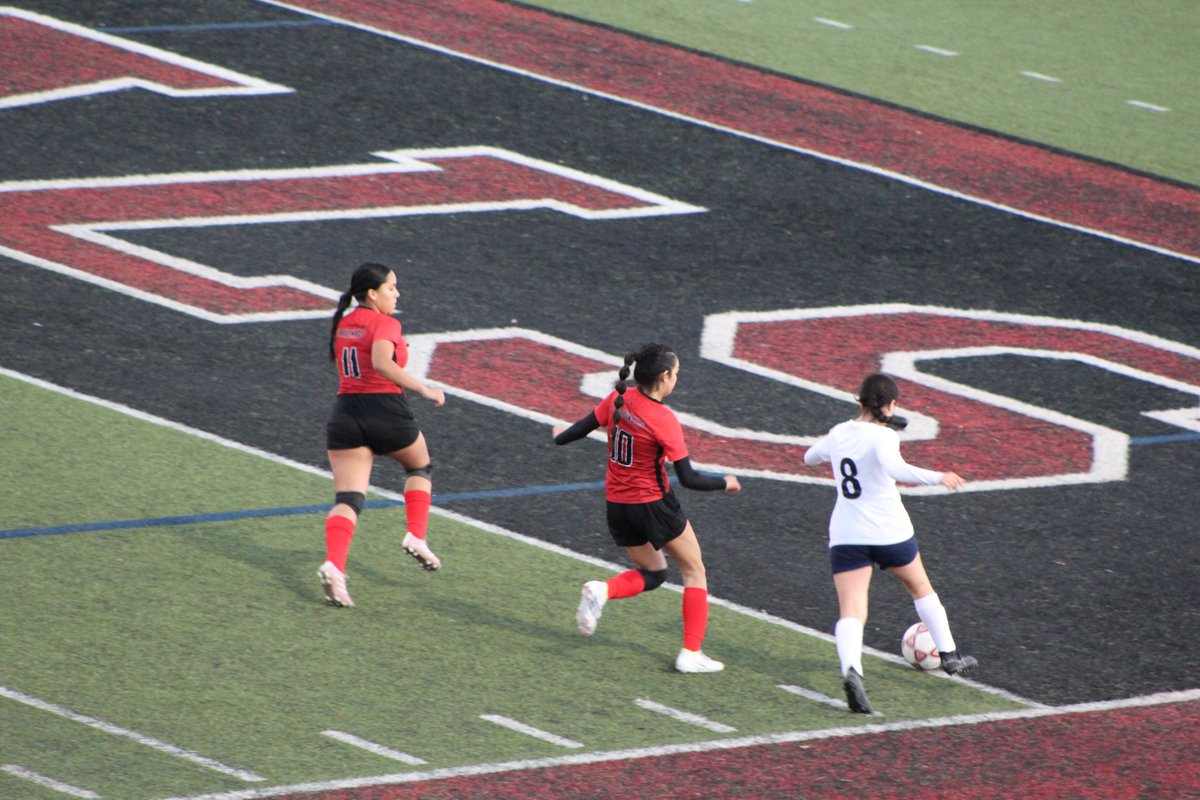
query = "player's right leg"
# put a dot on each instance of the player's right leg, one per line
(931, 611)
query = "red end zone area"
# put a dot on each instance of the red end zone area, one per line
(1084, 752)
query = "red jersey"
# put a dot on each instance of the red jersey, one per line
(648, 435)
(356, 332)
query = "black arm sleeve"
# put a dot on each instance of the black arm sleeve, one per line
(579, 430)
(694, 480)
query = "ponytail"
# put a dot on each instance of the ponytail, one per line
(622, 376)
(343, 304)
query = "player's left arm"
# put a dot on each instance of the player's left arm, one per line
(383, 361)
(675, 449)
(692, 479)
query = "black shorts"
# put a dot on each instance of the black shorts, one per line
(845, 557)
(634, 524)
(381, 422)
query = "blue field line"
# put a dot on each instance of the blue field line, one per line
(1166, 438)
(227, 516)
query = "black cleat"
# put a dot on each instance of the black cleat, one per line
(856, 695)
(953, 663)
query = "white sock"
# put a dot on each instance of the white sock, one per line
(933, 614)
(848, 635)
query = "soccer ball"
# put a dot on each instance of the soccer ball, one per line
(918, 648)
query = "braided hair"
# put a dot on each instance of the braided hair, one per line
(367, 277)
(876, 392)
(651, 361)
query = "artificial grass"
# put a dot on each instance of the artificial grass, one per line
(214, 637)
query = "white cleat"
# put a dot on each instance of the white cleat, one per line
(419, 549)
(333, 580)
(696, 661)
(591, 605)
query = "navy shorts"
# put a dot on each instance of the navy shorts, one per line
(381, 422)
(845, 557)
(656, 523)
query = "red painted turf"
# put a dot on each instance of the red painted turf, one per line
(1148, 752)
(975, 163)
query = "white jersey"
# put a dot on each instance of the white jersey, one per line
(866, 465)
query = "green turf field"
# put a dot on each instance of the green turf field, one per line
(1062, 74)
(213, 637)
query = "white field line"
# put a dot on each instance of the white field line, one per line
(116, 730)
(937, 51)
(49, 783)
(742, 134)
(1147, 106)
(684, 716)
(833, 23)
(1192, 695)
(372, 747)
(1037, 76)
(809, 694)
(529, 730)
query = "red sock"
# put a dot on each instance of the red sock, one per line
(416, 506)
(695, 616)
(627, 584)
(338, 532)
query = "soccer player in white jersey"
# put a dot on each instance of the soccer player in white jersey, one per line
(870, 526)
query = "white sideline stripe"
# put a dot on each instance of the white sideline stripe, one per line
(477, 523)
(49, 783)
(1037, 76)
(833, 23)
(1147, 106)
(529, 730)
(372, 747)
(753, 137)
(116, 730)
(698, 747)
(809, 694)
(684, 716)
(937, 51)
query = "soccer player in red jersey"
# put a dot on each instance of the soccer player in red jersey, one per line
(371, 417)
(644, 515)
